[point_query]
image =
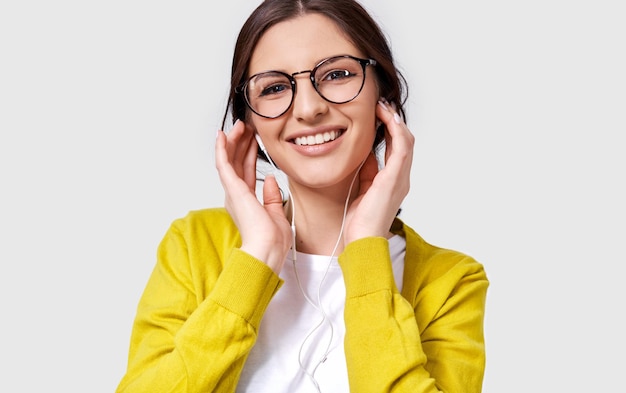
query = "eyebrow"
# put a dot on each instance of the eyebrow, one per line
(304, 70)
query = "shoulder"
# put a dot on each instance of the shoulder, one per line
(198, 243)
(207, 215)
(430, 265)
(204, 220)
(203, 227)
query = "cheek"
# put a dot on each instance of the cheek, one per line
(371, 88)
(268, 129)
(364, 122)
(370, 100)
(369, 122)
(259, 125)
(366, 114)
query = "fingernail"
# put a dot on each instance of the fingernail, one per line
(397, 118)
(382, 103)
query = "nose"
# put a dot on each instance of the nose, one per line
(308, 105)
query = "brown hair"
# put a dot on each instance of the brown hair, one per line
(350, 17)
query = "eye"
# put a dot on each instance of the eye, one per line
(274, 89)
(336, 75)
(268, 85)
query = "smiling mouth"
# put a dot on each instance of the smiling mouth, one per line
(317, 139)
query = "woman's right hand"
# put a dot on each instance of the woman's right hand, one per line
(264, 228)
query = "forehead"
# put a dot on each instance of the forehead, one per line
(300, 43)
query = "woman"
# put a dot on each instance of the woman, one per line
(319, 287)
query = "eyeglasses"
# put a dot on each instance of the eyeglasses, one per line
(338, 79)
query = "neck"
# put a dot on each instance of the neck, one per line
(319, 217)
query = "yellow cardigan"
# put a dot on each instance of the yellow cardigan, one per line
(199, 313)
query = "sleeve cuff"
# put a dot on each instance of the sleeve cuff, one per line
(366, 267)
(246, 286)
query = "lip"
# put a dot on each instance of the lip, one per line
(315, 131)
(313, 150)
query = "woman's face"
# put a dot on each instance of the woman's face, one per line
(296, 45)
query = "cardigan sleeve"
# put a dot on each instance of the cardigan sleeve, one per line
(184, 342)
(393, 345)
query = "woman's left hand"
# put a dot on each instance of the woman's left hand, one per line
(382, 192)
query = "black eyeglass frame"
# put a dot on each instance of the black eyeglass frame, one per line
(243, 88)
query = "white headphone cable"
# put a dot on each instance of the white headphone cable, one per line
(318, 306)
(319, 290)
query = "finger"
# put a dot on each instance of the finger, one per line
(399, 140)
(249, 164)
(271, 191)
(232, 138)
(272, 198)
(224, 168)
(221, 155)
(394, 124)
(229, 177)
(239, 140)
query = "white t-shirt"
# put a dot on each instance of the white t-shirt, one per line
(295, 333)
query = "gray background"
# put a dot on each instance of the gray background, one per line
(108, 112)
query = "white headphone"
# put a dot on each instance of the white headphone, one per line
(262, 146)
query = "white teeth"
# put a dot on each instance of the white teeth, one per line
(317, 139)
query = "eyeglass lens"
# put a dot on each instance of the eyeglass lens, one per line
(338, 80)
